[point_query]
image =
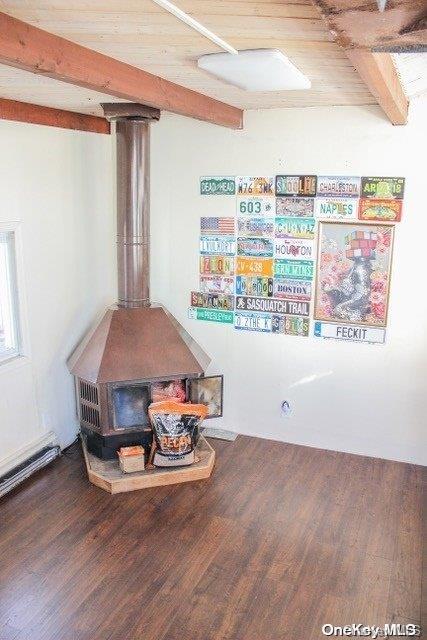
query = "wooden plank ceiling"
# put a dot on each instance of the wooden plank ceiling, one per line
(142, 34)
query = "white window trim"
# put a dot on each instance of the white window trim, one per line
(23, 356)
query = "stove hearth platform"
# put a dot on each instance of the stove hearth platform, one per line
(107, 475)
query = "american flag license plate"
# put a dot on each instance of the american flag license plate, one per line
(217, 226)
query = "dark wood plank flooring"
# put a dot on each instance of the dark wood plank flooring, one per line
(281, 540)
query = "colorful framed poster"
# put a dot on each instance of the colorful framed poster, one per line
(259, 227)
(217, 284)
(254, 266)
(217, 226)
(338, 186)
(383, 188)
(255, 247)
(217, 186)
(294, 249)
(353, 273)
(212, 300)
(254, 286)
(296, 185)
(218, 245)
(208, 391)
(217, 265)
(292, 206)
(254, 186)
(380, 210)
(255, 206)
(336, 208)
(295, 228)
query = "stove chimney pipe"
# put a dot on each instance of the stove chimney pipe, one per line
(133, 200)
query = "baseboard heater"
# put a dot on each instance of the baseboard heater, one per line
(22, 471)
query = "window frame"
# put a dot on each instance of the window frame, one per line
(16, 292)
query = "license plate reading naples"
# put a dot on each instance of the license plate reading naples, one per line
(253, 321)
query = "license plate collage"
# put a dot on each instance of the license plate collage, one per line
(257, 262)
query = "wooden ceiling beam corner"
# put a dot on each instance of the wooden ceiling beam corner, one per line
(37, 114)
(359, 30)
(379, 73)
(26, 47)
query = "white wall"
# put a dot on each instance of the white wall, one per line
(58, 184)
(366, 399)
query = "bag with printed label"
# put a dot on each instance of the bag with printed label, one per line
(176, 431)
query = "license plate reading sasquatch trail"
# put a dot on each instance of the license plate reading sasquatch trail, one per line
(217, 245)
(254, 286)
(253, 322)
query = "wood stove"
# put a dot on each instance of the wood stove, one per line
(119, 365)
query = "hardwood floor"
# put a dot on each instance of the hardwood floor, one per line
(281, 540)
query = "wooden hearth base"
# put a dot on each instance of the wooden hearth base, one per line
(106, 474)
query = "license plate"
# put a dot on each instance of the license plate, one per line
(341, 186)
(217, 265)
(217, 186)
(211, 315)
(252, 322)
(254, 267)
(291, 326)
(254, 286)
(294, 249)
(212, 300)
(260, 227)
(272, 305)
(295, 228)
(216, 284)
(336, 208)
(292, 289)
(255, 247)
(255, 206)
(217, 245)
(294, 269)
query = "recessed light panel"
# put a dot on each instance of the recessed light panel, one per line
(255, 70)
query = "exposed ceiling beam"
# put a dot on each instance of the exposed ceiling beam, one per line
(36, 114)
(401, 26)
(26, 47)
(358, 29)
(379, 73)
